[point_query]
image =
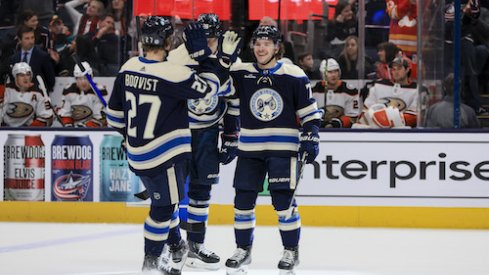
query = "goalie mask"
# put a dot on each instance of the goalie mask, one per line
(380, 116)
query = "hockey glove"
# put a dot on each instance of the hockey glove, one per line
(229, 147)
(310, 145)
(196, 42)
(229, 48)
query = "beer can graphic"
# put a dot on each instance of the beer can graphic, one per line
(24, 169)
(71, 168)
(117, 181)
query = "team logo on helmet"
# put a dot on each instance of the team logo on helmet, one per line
(19, 109)
(211, 24)
(268, 33)
(202, 106)
(71, 187)
(266, 104)
(80, 112)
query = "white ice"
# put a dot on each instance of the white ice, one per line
(116, 249)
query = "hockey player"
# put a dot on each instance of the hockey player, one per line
(339, 100)
(149, 108)
(204, 117)
(81, 106)
(271, 95)
(23, 103)
(399, 93)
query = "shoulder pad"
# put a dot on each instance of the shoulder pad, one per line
(71, 88)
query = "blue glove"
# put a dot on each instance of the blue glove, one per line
(229, 147)
(229, 48)
(310, 145)
(196, 42)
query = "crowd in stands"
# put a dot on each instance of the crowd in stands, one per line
(45, 34)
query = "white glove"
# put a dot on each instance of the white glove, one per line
(229, 48)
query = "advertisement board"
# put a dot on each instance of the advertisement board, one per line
(353, 168)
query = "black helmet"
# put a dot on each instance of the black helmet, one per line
(267, 32)
(155, 30)
(211, 24)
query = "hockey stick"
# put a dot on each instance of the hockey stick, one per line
(90, 80)
(48, 99)
(302, 164)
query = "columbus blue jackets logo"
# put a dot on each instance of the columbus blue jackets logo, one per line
(266, 104)
(71, 187)
(203, 106)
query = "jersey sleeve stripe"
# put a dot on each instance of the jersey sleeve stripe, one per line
(160, 150)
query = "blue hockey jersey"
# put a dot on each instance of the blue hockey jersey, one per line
(148, 105)
(271, 102)
(204, 113)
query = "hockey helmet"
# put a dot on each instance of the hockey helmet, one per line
(381, 116)
(155, 30)
(268, 33)
(77, 71)
(211, 24)
(21, 68)
(399, 61)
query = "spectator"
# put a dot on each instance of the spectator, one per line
(386, 52)
(338, 99)
(85, 23)
(61, 49)
(307, 65)
(106, 41)
(403, 25)
(343, 25)
(85, 50)
(38, 60)
(348, 61)
(471, 55)
(23, 102)
(43, 8)
(81, 106)
(440, 114)
(119, 12)
(399, 93)
(29, 19)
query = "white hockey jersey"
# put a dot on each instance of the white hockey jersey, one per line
(25, 108)
(81, 108)
(337, 103)
(403, 97)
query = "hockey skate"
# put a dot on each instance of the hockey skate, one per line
(200, 257)
(290, 259)
(154, 265)
(239, 262)
(177, 256)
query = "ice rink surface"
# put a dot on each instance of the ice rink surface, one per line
(116, 249)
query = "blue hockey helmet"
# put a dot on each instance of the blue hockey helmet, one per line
(211, 24)
(268, 33)
(155, 30)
